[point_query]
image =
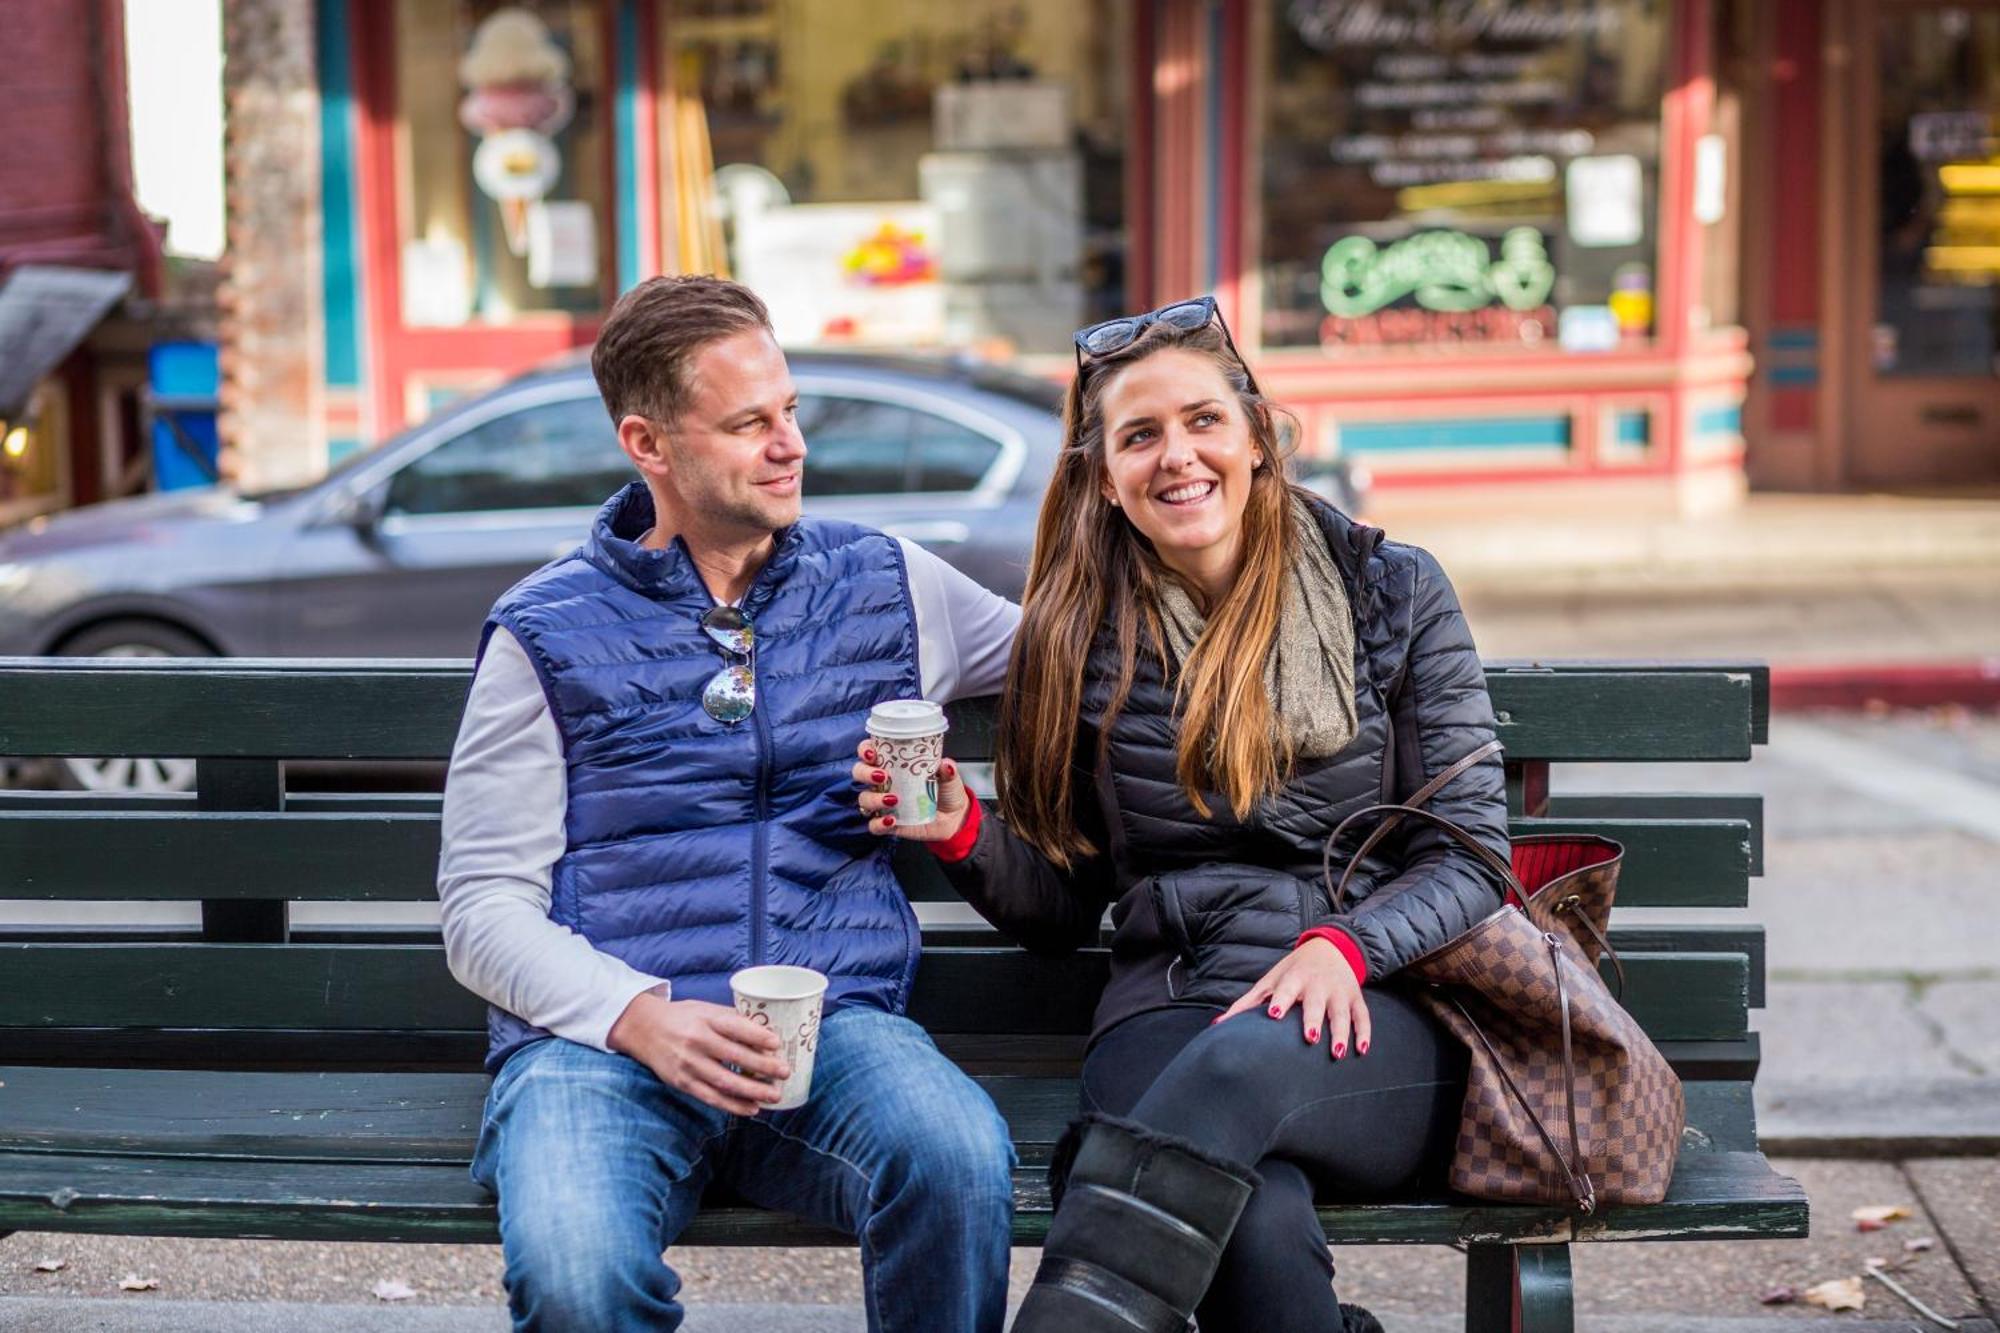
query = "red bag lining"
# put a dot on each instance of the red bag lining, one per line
(1536, 863)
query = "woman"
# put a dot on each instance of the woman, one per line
(1255, 666)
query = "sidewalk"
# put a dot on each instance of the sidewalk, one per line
(1841, 585)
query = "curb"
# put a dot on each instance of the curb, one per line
(1856, 686)
(1881, 1122)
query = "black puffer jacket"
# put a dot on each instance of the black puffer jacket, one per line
(1204, 906)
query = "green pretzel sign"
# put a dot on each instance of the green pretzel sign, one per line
(1444, 270)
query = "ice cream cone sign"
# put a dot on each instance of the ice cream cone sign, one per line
(518, 94)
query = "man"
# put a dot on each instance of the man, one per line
(650, 790)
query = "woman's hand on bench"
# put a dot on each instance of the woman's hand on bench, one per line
(692, 1045)
(1316, 978)
(879, 805)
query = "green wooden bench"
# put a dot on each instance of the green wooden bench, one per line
(239, 1075)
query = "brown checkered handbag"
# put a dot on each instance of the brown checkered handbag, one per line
(1549, 1042)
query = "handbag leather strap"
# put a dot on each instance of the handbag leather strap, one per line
(1338, 895)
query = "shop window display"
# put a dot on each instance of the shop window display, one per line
(503, 164)
(33, 447)
(1446, 173)
(1938, 303)
(901, 172)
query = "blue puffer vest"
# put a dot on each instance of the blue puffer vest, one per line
(695, 847)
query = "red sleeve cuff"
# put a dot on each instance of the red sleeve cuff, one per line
(959, 845)
(1342, 941)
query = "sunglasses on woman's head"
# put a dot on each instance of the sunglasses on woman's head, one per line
(731, 693)
(1115, 335)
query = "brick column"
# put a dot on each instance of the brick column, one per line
(272, 423)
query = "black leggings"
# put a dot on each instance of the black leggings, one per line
(1252, 1090)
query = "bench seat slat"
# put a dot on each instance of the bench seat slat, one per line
(1001, 990)
(1715, 1196)
(404, 1117)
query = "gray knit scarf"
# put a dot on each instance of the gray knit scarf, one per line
(1309, 675)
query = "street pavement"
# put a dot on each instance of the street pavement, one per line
(1881, 899)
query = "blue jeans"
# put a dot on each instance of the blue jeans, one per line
(599, 1167)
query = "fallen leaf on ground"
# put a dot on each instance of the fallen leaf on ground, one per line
(1920, 1244)
(1881, 1215)
(1843, 1293)
(392, 1290)
(51, 1265)
(1780, 1295)
(133, 1282)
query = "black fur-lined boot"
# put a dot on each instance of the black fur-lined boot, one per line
(1354, 1319)
(1140, 1224)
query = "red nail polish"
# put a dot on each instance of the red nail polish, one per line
(888, 821)
(949, 769)
(1276, 1012)
(1362, 1049)
(878, 777)
(890, 799)
(868, 757)
(1339, 1049)
(1312, 1034)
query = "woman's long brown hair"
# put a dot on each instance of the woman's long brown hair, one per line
(1090, 563)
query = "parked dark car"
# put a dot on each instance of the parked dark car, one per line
(401, 550)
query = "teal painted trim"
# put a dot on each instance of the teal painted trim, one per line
(625, 184)
(340, 226)
(1466, 433)
(1633, 428)
(1793, 377)
(341, 448)
(1794, 339)
(1719, 419)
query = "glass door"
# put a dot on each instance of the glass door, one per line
(1926, 366)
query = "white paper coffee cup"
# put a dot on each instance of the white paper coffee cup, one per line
(786, 1000)
(909, 745)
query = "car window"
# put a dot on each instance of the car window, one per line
(854, 446)
(948, 456)
(555, 455)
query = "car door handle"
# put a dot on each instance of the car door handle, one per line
(935, 532)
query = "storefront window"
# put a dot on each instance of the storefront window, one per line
(903, 171)
(33, 448)
(1939, 304)
(503, 166)
(1444, 172)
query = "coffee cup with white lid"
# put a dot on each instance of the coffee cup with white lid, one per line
(908, 735)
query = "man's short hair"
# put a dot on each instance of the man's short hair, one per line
(652, 335)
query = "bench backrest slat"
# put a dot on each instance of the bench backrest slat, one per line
(391, 987)
(254, 708)
(185, 854)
